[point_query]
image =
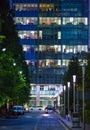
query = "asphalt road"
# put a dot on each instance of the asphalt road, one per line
(33, 121)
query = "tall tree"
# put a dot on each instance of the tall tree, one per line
(73, 69)
(87, 73)
(12, 60)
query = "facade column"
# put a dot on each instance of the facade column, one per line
(58, 100)
(38, 95)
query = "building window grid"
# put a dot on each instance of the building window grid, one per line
(26, 20)
(75, 20)
(84, 20)
(26, 7)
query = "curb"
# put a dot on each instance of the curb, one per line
(65, 124)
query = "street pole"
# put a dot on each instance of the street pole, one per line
(64, 100)
(77, 101)
(83, 96)
(68, 84)
(74, 81)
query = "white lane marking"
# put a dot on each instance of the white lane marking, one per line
(28, 116)
(63, 125)
(32, 116)
(36, 126)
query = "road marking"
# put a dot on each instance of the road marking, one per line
(50, 117)
(32, 117)
(36, 126)
(28, 116)
(63, 125)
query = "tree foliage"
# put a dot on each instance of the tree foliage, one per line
(87, 73)
(14, 86)
(75, 68)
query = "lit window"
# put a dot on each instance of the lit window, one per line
(26, 47)
(65, 62)
(75, 20)
(59, 35)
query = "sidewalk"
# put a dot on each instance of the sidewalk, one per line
(69, 125)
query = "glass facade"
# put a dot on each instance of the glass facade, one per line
(50, 32)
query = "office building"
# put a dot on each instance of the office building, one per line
(50, 32)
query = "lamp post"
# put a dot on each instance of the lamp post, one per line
(83, 96)
(64, 100)
(60, 92)
(74, 81)
(3, 49)
(68, 84)
(77, 106)
(14, 64)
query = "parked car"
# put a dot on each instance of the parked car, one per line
(36, 108)
(40, 107)
(18, 110)
(49, 109)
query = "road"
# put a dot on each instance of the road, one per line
(33, 121)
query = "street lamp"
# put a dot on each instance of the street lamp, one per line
(61, 100)
(83, 63)
(3, 49)
(20, 72)
(83, 96)
(14, 64)
(74, 81)
(68, 84)
(77, 105)
(64, 100)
